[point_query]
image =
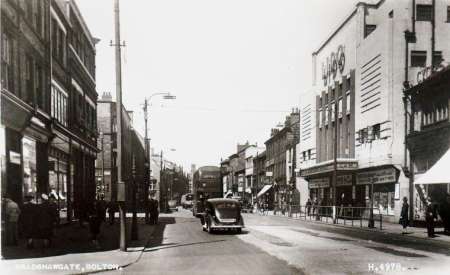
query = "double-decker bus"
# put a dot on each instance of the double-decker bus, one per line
(206, 185)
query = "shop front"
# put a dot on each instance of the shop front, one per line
(385, 188)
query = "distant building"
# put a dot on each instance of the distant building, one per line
(133, 153)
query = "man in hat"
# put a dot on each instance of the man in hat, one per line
(47, 219)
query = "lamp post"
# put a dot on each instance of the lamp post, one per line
(134, 227)
(371, 220)
(166, 96)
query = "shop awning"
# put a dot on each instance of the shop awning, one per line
(438, 173)
(264, 190)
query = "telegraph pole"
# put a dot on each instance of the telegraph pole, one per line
(120, 184)
(148, 160)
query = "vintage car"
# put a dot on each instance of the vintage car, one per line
(222, 214)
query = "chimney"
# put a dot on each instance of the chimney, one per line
(106, 96)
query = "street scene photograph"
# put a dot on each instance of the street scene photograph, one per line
(218, 137)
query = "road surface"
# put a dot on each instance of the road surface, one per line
(276, 245)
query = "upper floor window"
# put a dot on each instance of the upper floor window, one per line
(448, 14)
(437, 58)
(418, 58)
(424, 12)
(59, 105)
(369, 29)
(29, 80)
(6, 62)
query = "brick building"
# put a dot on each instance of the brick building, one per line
(281, 142)
(133, 153)
(48, 102)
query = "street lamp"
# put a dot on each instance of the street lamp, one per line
(166, 96)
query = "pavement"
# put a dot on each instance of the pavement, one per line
(388, 227)
(72, 251)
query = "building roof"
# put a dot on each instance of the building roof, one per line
(367, 3)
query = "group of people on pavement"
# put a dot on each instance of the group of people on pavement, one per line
(431, 214)
(36, 219)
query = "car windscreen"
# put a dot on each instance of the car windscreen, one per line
(227, 210)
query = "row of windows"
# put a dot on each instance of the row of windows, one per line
(369, 134)
(58, 42)
(329, 113)
(419, 58)
(306, 155)
(327, 99)
(82, 46)
(34, 14)
(425, 13)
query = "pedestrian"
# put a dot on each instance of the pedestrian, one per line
(308, 206)
(95, 221)
(102, 208)
(112, 208)
(27, 218)
(12, 212)
(430, 217)
(314, 205)
(404, 217)
(154, 213)
(47, 219)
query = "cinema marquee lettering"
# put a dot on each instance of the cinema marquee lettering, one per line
(334, 63)
(387, 175)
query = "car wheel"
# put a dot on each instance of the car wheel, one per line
(208, 228)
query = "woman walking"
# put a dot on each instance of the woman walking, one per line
(404, 219)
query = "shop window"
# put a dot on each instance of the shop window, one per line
(309, 154)
(418, 58)
(326, 115)
(340, 108)
(7, 64)
(424, 12)
(29, 167)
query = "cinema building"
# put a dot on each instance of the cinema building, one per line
(352, 133)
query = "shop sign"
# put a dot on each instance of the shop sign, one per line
(387, 175)
(319, 183)
(344, 180)
(329, 167)
(269, 174)
(14, 157)
(334, 63)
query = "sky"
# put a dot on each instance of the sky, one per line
(236, 67)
